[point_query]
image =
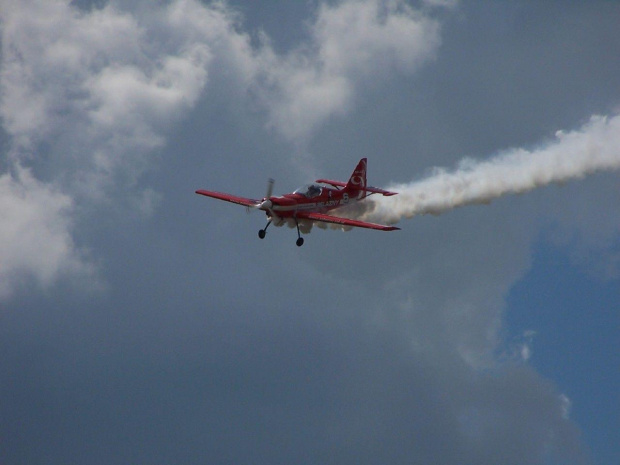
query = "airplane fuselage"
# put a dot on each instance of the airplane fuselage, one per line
(313, 198)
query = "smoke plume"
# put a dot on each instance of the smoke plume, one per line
(571, 155)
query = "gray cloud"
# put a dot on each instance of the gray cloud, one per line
(210, 345)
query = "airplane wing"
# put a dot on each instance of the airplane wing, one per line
(374, 190)
(229, 198)
(344, 221)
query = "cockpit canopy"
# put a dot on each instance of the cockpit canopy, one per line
(309, 190)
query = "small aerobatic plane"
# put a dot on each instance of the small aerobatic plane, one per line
(311, 202)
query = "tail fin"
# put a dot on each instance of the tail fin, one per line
(357, 182)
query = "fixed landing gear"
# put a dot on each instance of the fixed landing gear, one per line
(262, 232)
(299, 242)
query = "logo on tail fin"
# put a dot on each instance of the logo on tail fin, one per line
(357, 181)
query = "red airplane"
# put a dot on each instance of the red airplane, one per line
(310, 202)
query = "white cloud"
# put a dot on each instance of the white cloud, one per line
(98, 88)
(353, 43)
(521, 348)
(101, 86)
(35, 233)
(565, 406)
(89, 95)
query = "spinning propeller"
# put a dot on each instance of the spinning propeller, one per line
(267, 204)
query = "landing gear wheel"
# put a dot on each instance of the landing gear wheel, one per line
(300, 240)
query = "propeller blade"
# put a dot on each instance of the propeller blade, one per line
(265, 204)
(269, 188)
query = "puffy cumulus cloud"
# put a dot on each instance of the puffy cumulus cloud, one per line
(353, 42)
(99, 88)
(110, 68)
(88, 95)
(86, 98)
(35, 232)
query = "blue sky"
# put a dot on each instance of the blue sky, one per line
(142, 323)
(584, 337)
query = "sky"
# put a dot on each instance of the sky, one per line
(141, 323)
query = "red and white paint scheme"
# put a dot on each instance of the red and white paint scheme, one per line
(311, 203)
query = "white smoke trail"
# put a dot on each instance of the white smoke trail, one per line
(594, 147)
(305, 226)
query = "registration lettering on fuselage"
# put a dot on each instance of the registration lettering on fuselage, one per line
(312, 206)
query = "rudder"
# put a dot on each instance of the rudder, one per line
(357, 182)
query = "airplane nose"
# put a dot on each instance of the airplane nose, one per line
(266, 205)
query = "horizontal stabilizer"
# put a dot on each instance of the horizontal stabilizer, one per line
(374, 190)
